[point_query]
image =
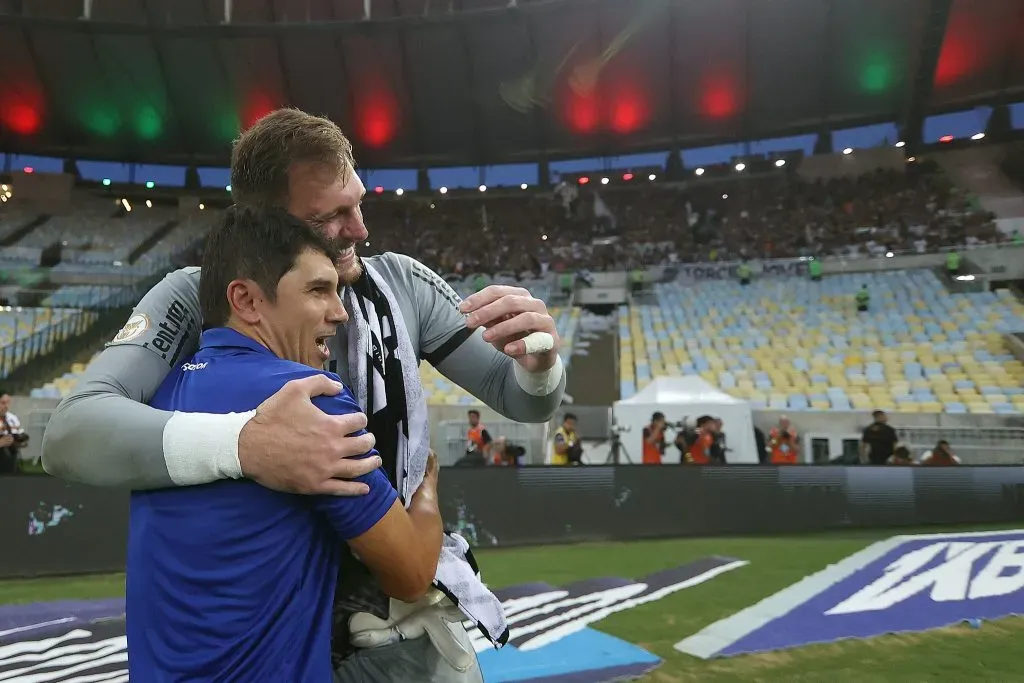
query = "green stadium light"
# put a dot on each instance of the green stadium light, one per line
(106, 182)
(150, 184)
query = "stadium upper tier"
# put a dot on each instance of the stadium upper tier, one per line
(794, 344)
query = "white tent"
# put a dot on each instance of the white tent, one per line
(687, 397)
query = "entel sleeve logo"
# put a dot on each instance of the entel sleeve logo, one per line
(905, 583)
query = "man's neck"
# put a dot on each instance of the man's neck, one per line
(255, 334)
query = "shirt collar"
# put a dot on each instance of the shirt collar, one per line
(225, 337)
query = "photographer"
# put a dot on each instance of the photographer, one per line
(703, 443)
(654, 440)
(566, 447)
(12, 437)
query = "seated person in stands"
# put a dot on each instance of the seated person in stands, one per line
(940, 456)
(901, 456)
(231, 580)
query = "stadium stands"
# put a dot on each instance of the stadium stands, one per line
(794, 344)
(28, 332)
(437, 388)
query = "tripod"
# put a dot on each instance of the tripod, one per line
(617, 450)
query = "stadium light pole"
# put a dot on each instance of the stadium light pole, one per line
(87, 9)
(228, 6)
(367, 9)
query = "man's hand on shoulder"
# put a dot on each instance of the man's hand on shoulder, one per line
(508, 315)
(291, 445)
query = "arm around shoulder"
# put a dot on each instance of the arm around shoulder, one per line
(103, 433)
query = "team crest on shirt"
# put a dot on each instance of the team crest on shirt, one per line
(133, 329)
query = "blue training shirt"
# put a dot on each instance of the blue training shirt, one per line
(232, 581)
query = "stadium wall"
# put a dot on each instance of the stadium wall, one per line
(48, 527)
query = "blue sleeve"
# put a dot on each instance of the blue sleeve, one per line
(354, 516)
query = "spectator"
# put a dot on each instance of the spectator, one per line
(878, 442)
(940, 456)
(12, 437)
(901, 456)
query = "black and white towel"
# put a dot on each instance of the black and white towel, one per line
(385, 379)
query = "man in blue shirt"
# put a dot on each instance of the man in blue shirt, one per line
(232, 581)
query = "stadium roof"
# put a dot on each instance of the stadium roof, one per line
(441, 82)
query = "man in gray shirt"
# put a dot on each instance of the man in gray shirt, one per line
(104, 434)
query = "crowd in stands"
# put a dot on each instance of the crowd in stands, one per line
(775, 215)
(598, 227)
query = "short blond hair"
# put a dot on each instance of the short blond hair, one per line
(262, 156)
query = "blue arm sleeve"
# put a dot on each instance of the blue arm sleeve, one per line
(354, 516)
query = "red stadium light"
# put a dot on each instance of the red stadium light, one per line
(29, 169)
(946, 138)
(583, 180)
(627, 176)
(378, 189)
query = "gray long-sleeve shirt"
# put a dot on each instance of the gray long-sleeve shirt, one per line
(104, 434)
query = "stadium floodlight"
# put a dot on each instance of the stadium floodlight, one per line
(652, 177)
(202, 207)
(126, 205)
(483, 188)
(150, 184)
(978, 136)
(779, 163)
(741, 167)
(227, 188)
(106, 182)
(901, 144)
(604, 181)
(725, 196)
(149, 204)
(848, 150)
(399, 192)
(544, 238)
(443, 190)
(699, 171)
(523, 186)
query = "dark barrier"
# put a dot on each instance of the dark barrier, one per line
(52, 528)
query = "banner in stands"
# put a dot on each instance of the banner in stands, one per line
(551, 641)
(694, 272)
(49, 527)
(906, 583)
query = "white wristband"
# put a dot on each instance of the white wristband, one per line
(540, 383)
(200, 448)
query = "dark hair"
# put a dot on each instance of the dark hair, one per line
(262, 156)
(657, 416)
(473, 411)
(261, 245)
(568, 416)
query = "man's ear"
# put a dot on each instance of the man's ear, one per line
(246, 299)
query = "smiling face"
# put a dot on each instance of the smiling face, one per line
(305, 313)
(330, 203)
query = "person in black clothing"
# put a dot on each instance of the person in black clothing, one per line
(878, 442)
(762, 446)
